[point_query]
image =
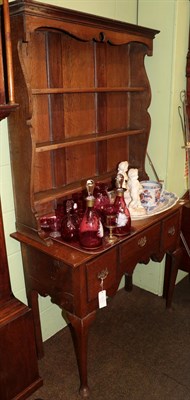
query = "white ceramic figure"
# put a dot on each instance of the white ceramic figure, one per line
(135, 189)
(122, 170)
(127, 197)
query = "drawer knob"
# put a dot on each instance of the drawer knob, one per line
(142, 241)
(171, 231)
(103, 274)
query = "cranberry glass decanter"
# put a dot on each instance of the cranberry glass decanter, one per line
(91, 228)
(70, 224)
(101, 199)
(123, 218)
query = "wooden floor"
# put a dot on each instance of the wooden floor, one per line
(138, 350)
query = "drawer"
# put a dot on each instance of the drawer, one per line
(141, 246)
(170, 232)
(104, 265)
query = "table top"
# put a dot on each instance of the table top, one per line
(61, 251)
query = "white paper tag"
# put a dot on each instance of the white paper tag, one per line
(102, 300)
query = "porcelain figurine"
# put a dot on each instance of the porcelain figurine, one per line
(135, 189)
(122, 170)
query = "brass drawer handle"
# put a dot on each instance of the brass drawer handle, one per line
(142, 241)
(103, 274)
(171, 231)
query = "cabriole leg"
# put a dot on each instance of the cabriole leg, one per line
(79, 330)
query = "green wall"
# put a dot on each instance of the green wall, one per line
(166, 71)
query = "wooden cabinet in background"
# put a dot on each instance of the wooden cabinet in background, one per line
(19, 376)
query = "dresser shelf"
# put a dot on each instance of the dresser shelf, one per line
(41, 147)
(83, 96)
(60, 192)
(86, 90)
